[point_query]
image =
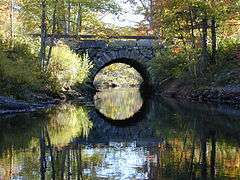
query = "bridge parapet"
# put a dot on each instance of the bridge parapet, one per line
(100, 44)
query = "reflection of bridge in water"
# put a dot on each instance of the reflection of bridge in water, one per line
(106, 131)
(136, 128)
(207, 120)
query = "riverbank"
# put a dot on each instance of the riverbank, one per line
(10, 105)
(229, 94)
(220, 82)
(25, 85)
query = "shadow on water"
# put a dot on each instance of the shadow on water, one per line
(168, 139)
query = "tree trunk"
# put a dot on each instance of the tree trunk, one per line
(12, 21)
(151, 14)
(68, 17)
(192, 29)
(63, 164)
(213, 156)
(43, 35)
(51, 153)
(191, 173)
(54, 27)
(65, 25)
(79, 20)
(214, 39)
(79, 162)
(203, 157)
(43, 163)
(204, 59)
(68, 164)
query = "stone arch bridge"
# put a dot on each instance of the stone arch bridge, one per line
(136, 51)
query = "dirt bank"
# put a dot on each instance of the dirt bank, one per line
(226, 94)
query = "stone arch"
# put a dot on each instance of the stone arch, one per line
(132, 57)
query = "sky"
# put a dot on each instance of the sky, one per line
(126, 18)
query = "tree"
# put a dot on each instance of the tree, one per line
(7, 19)
(54, 24)
(146, 8)
(42, 55)
(59, 16)
(192, 24)
(69, 15)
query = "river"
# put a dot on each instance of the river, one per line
(125, 135)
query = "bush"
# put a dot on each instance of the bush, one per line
(168, 65)
(184, 65)
(67, 68)
(20, 71)
(226, 70)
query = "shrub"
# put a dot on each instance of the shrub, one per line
(226, 69)
(20, 71)
(184, 65)
(67, 68)
(168, 65)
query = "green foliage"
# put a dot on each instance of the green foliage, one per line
(168, 65)
(118, 74)
(226, 70)
(18, 68)
(67, 68)
(174, 20)
(20, 71)
(184, 64)
(180, 25)
(68, 122)
(89, 12)
(226, 50)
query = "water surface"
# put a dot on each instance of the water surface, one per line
(118, 104)
(154, 139)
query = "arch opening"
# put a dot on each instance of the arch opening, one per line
(117, 75)
(121, 73)
(121, 84)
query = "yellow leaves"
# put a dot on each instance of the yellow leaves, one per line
(5, 15)
(67, 68)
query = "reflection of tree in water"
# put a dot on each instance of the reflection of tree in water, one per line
(119, 104)
(66, 123)
(47, 135)
(196, 142)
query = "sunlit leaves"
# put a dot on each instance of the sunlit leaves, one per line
(31, 12)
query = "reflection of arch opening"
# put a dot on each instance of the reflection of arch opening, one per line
(139, 67)
(136, 117)
(118, 104)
